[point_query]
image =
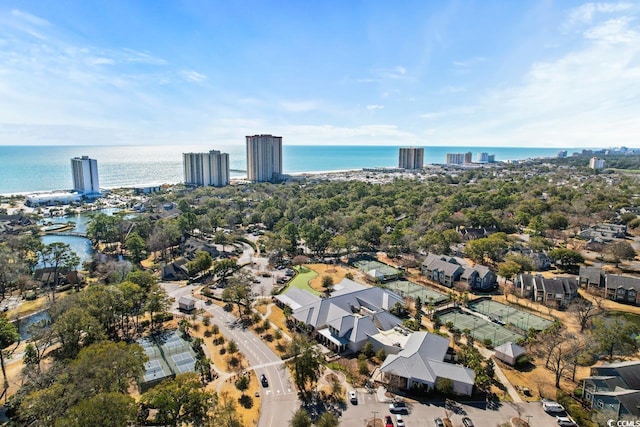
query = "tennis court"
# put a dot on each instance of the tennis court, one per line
(522, 320)
(368, 265)
(480, 328)
(184, 362)
(412, 290)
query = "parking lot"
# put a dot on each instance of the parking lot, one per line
(423, 414)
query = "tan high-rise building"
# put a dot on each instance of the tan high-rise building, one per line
(206, 169)
(264, 158)
(411, 158)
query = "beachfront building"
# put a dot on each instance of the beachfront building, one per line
(596, 163)
(206, 169)
(411, 158)
(52, 198)
(264, 158)
(85, 176)
(459, 158)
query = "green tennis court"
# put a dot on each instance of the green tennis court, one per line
(413, 290)
(508, 314)
(480, 328)
(368, 265)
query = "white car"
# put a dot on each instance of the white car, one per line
(565, 421)
(552, 407)
(353, 398)
(399, 421)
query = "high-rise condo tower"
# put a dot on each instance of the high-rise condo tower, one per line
(85, 175)
(264, 158)
(206, 169)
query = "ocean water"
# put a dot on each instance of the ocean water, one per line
(44, 168)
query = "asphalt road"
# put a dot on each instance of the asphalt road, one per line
(279, 399)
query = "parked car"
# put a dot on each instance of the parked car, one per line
(565, 421)
(353, 398)
(438, 422)
(399, 421)
(397, 407)
(264, 381)
(552, 407)
(387, 421)
(466, 421)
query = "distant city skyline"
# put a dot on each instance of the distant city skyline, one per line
(414, 73)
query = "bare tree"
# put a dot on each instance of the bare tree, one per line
(584, 310)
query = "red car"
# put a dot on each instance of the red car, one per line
(388, 422)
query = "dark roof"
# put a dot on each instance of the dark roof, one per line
(631, 401)
(629, 372)
(593, 274)
(627, 282)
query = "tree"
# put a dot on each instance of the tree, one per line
(74, 329)
(327, 284)
(102, 410)
(418, 314)
(566, 258)
(224, 268)
(327, 419)
(136, 247)
(444, 385)
(12, 267)
(620, 251)
(57, 256)
(8, 335)
(557, 221)
(306, 362)
(614, 336)
(181, 400)
(242, 383)
(300, 418)
(584, 310)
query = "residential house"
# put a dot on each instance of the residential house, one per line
(616, 287)
(421, 364)
(604, 232)
(479, 277)
(557, 292)
(540, 261)
(192, 246)
(614, 387)
(442, 269)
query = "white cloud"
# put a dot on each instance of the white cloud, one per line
(449, 90)
(374, 107)
(587, 97)
(586, 13)
(31, 19)
(193, 76)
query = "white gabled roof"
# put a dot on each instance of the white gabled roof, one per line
(510, 349)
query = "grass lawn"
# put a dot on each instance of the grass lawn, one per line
(303, 278)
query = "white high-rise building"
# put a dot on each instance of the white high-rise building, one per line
(596, 163)
(206, 169)
(85, 175)
(411, 158)
(264, 158)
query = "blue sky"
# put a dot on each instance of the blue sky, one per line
(467, 73)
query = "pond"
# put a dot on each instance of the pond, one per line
(23, 324)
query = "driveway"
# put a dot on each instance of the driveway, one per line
(423, 414)
(279, 399)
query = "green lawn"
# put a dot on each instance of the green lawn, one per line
(302, 280)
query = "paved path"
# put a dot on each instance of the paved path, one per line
(279, 400)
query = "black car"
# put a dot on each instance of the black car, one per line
(263, 380)
(466, 421)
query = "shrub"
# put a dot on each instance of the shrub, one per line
(487, 342)
(580, 415)
(245, 401)
(30, 296)
(223, 350)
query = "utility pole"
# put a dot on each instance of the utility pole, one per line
(374, 417)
